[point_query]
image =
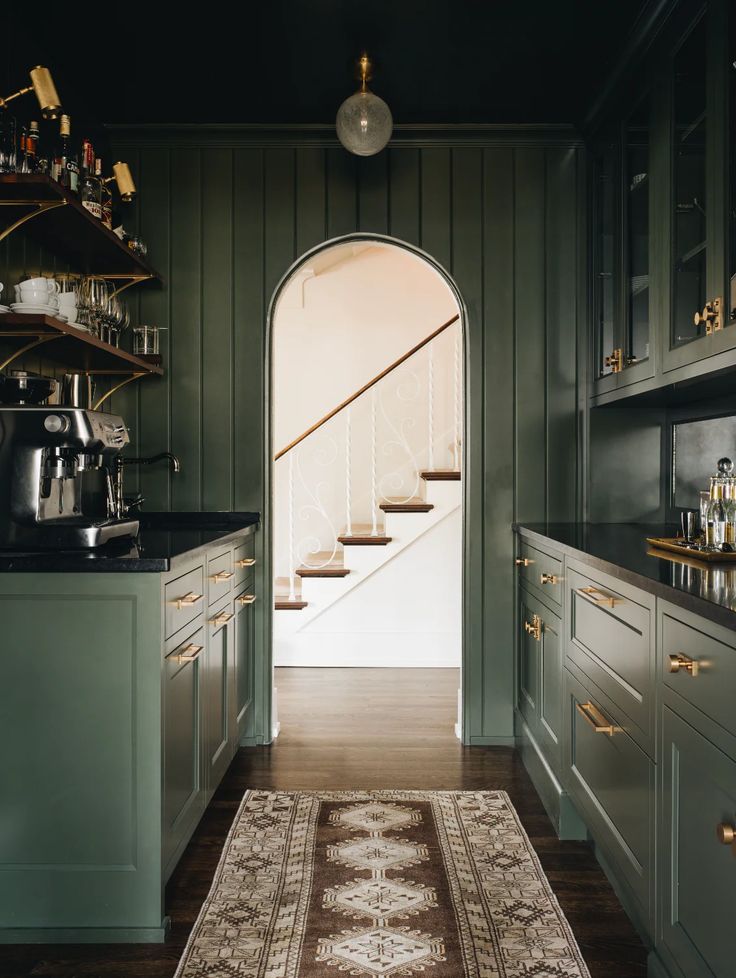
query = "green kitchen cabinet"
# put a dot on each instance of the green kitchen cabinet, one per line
(624, 351)
(663, 187)
(241, 694)
(528, 684)
(697, 865)
(219, 666)
(184, 795)
(130, 694)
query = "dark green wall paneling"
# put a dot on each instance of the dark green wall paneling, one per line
(224, 221)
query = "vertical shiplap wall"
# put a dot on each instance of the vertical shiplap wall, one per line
(223, 223)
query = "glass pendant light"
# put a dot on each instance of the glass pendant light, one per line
(364, 121)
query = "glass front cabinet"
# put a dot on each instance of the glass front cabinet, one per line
(663, 202)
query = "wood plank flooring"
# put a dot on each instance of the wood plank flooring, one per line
(360, 728)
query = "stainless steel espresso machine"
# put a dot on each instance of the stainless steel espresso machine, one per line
(45, 500)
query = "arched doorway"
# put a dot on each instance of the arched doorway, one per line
(365, 377)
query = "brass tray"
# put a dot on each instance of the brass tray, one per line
(711, 557)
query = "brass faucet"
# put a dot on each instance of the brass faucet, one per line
(121, 462)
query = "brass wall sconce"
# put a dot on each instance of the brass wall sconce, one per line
(43, 85)
(122, 176)
(364, 121)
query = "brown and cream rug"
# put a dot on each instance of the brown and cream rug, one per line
(380, 883)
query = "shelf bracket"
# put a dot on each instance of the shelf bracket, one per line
(132, 280)
(36, 341)
(117, 387)
(40, 207)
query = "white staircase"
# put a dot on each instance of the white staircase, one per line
(366, 482)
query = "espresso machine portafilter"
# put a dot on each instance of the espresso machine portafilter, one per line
(45, 453)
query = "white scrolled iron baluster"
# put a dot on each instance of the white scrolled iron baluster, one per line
(348, 474)
(292, 568)
(430, 409)
(458, 402)
(374, 484)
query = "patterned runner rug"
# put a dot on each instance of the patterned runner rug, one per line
(443, 884)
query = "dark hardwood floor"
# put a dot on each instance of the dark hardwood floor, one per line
(361, 728)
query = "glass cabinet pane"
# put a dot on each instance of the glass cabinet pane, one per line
(604, 254)
(689, 217)
(636, 217)
(731, 298)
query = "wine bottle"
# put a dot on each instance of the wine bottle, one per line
(105, 197)
(716, 525)
(65, 168)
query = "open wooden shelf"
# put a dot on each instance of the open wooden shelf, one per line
(71, 347)
(64, 226)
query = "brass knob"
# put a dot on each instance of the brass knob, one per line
(726, 834)
(549, 579)
(710, 317)
(522, 561)
(678, 662)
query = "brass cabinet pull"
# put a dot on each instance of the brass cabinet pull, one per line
(679, 663)
(222, 618)
(595, 718)
(598, 597)
(710, 317)
(523, 562)
(188, 600)
(221, 576)
(188, 654)
(615, 361)
(726, 834)
(549, 579)
(246, 561)
(246, 598)
(534, 628)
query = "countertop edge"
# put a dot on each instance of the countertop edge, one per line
(698, 606)
(73, 563)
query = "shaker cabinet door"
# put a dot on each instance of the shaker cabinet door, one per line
(242, 683)
(697, 879)
(216, 695)
(183, 794)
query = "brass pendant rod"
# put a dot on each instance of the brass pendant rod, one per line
(115, 388)
(9, 98)
(40, 205)
(37, 341)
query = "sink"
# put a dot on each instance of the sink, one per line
(207, 521)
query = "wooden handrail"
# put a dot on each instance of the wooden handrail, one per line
(365, 387)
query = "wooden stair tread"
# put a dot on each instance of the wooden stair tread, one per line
(363, 540)
(441, 475)
(283, 604)
(329, 570)
(406, 506)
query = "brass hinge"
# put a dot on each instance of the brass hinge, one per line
(615, 361)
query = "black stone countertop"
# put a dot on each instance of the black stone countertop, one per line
(621, 549)
(165, 540)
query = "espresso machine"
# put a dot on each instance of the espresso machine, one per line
(57, 478)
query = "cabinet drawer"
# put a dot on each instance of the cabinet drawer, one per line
(612, 782)
(611, 641)
(698, 886)
(184, 600)
(243, 560)
(220, 577)
(542, 570)
(699, 666)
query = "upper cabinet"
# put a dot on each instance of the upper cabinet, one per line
(664, 211)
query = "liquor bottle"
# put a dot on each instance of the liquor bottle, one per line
(65, 168)
(87, 161)
(32, 137)
(730, 507)
(105, 196)
(716, 526)
(22, 147)
(90, 192)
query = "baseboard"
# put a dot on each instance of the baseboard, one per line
(557, 803)
(338, 650)
(85, 935)
(491, 742)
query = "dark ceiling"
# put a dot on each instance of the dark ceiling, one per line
(290, 61)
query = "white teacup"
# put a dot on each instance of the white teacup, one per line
(66, 299)
(34, 284)
(36, 297)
